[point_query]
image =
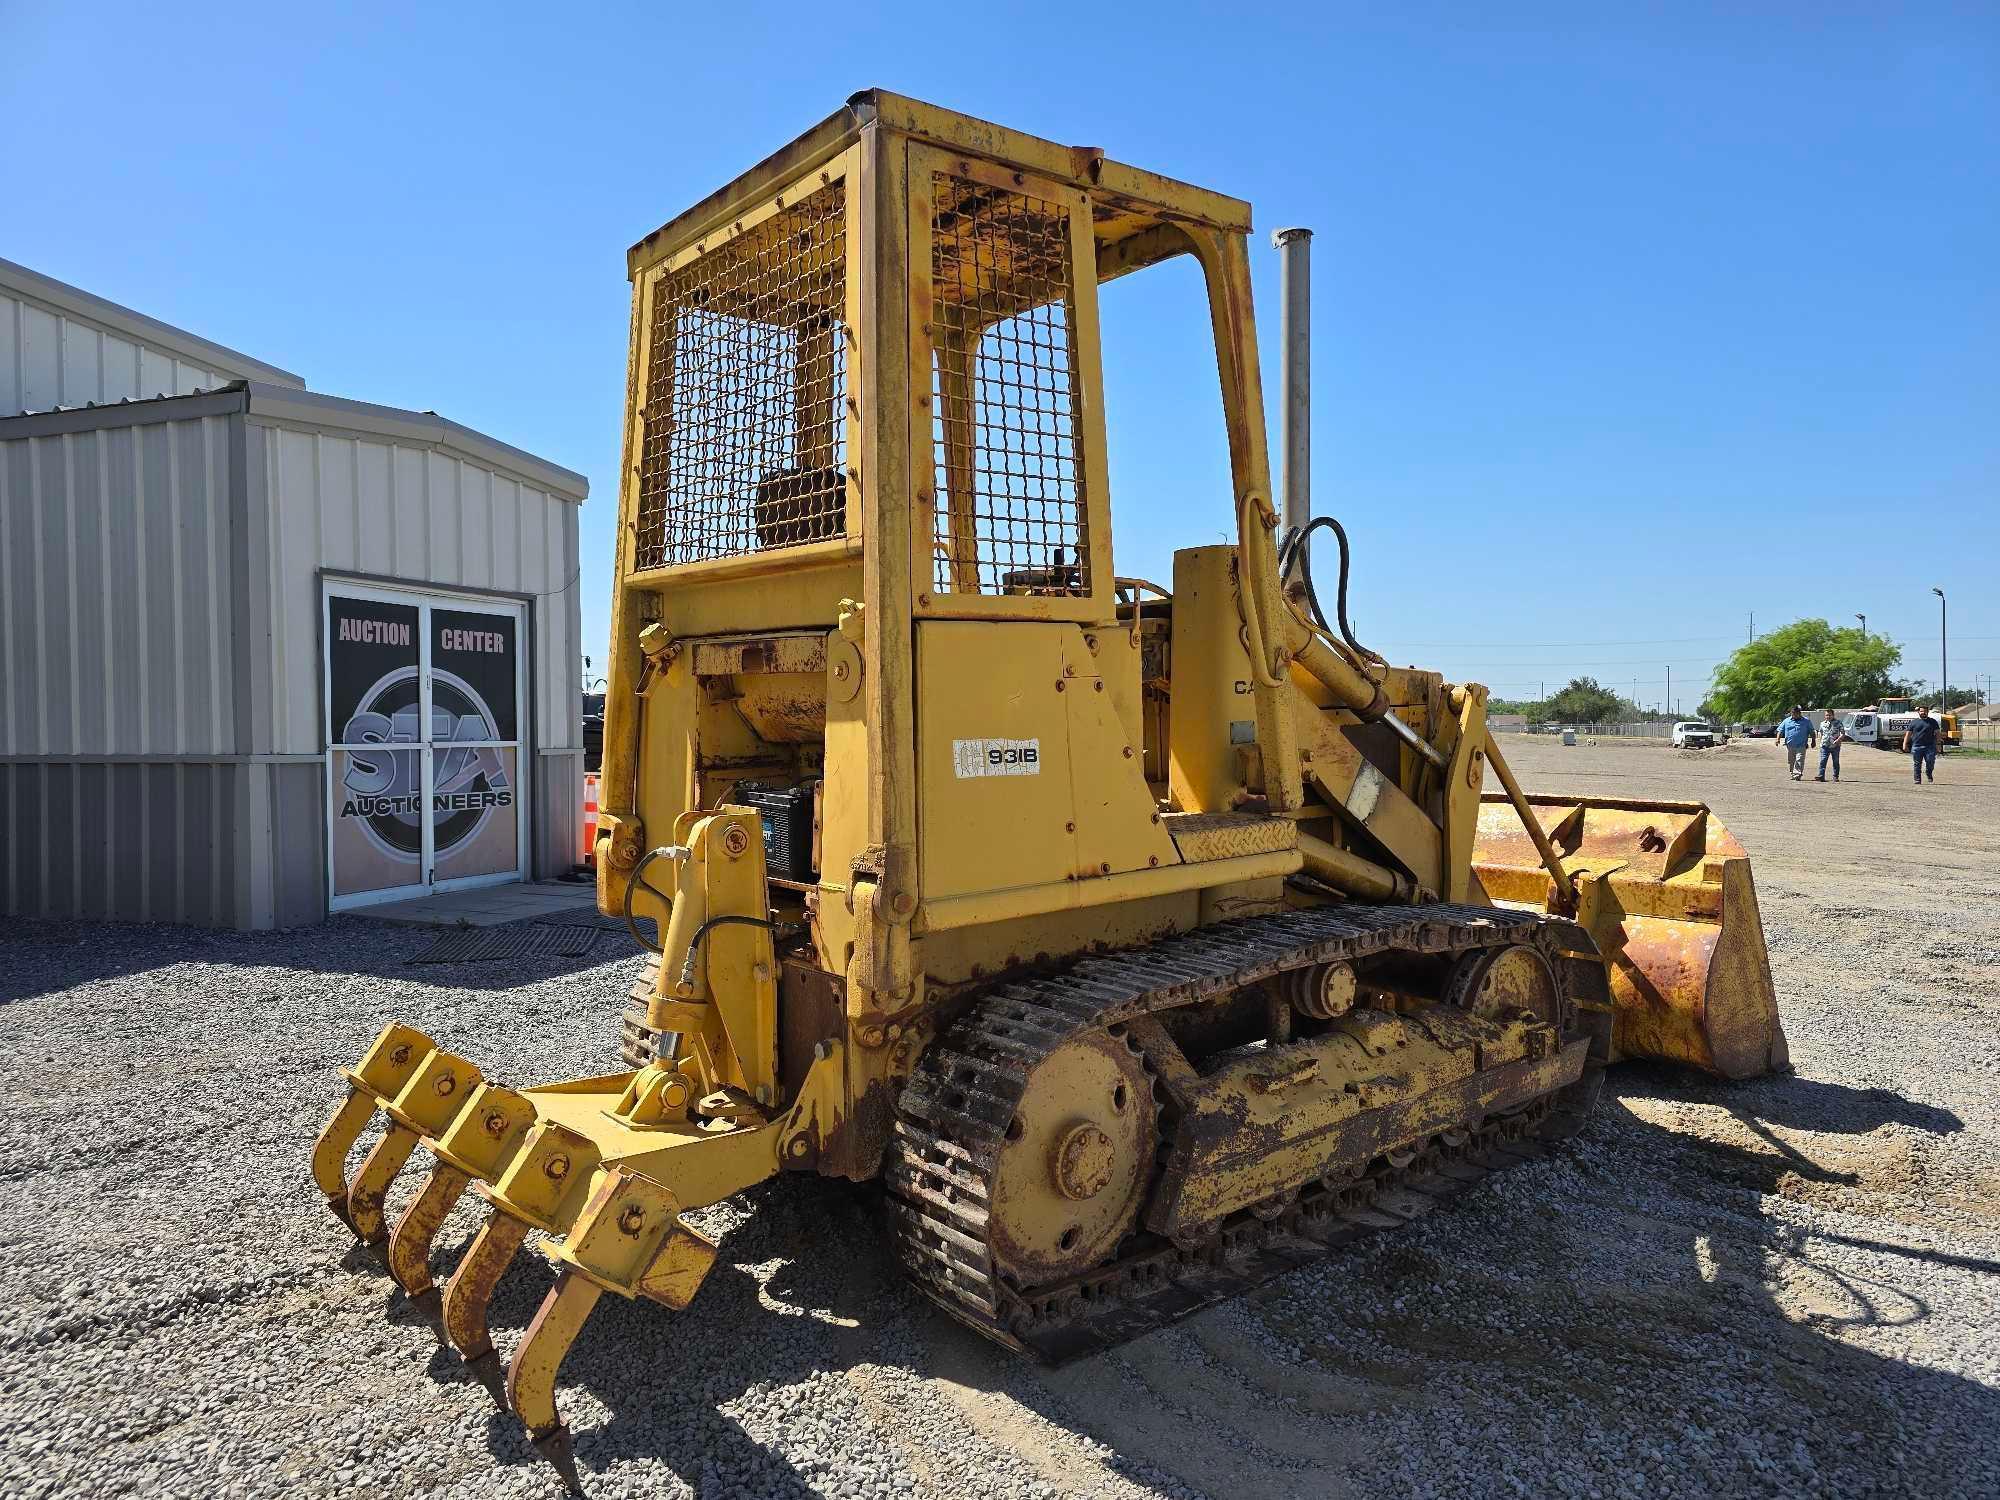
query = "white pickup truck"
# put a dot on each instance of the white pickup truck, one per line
(1690, 734)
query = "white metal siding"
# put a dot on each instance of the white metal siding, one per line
(117, 592)
(368, 505)
(51, 358)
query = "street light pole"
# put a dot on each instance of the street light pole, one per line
(1944, 657)
(1864, 624)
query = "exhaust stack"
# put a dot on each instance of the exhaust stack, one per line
(1294, 247)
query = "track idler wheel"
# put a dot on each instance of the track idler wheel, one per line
(1074, 1162)
(1502, 983)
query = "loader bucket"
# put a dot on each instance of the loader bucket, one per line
(602, 1167)
(1666, 893)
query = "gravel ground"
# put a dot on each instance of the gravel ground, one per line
(1788, 1287)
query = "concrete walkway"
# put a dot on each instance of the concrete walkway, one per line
(488, 906)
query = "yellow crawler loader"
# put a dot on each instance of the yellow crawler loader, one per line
(1144, 942)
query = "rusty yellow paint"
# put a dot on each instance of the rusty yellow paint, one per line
(468, 1292)
(1195, 756)
(410, 1241)
(366, 1193)
(336, 1139)
(1364, 797)
(1076, 1161)
(1372, 1082)
(531, 1376)
(1666, 892)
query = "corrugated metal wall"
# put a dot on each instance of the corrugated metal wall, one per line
(161, 752)
(163, 841)
(118, 590)
(372, 507)
(50, 358)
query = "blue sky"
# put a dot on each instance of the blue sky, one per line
(1629, 321)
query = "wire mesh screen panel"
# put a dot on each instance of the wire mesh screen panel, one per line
(1009, 517)
(745, 419)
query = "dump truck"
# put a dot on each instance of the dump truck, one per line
(1141, 941)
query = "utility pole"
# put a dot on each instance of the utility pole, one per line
(1944, 658)
(1753, 628)
(1670, 688)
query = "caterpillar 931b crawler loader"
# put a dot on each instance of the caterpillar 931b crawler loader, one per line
(1143, 942)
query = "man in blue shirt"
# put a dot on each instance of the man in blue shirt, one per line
(1920, 739)
(1797, 733)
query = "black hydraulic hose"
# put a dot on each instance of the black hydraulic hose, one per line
(1296, 546)
(729, 919)
(638, 875)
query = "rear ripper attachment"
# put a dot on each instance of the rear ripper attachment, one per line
(581, 1162)
(602, 1167)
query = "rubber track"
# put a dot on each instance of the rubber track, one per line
(955, 1110)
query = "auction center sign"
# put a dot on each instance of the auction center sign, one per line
(383, 830)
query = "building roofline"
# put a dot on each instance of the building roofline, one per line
(136, 325)
(281, 404)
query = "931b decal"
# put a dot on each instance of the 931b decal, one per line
(995, 757)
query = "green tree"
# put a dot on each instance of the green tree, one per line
(1806, 662)
(1583, 701)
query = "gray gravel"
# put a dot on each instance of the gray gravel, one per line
(1790, 1287)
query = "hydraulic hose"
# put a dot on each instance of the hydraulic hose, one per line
(728, 919)
(1297, 547)
(665, 851)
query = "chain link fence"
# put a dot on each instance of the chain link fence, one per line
(1663, 730)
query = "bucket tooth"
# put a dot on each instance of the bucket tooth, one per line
(371, 1183)
(410, 1243)
(469, 1291)
(531, 1377)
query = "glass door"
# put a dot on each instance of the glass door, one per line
(424, 750)
(475, 746)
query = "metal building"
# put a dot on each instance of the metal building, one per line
(60, 346)
(266, 653)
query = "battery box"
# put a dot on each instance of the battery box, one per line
(787, 812)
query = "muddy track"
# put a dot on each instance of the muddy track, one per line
(956, 1110)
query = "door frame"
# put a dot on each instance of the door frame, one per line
(425, 600)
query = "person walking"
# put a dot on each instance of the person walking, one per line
(1832, 735)
(1921, 740)
(1797, 733)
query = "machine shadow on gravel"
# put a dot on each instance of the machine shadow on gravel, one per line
(665, 1377)
(48, 957)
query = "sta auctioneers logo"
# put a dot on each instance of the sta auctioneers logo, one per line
(383, 784)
